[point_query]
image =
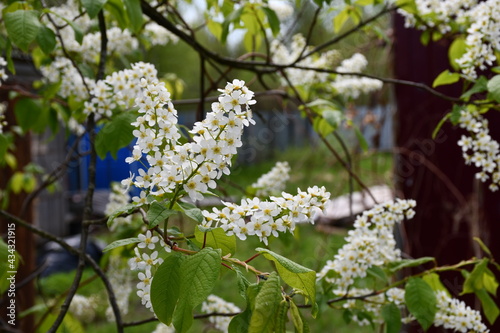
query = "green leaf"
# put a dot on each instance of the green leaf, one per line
(115, 135)
(445, 78)
(434, 281)
(361, 139)
(240, 323)
(46, 39)
(93, 7)
(27, 113)
(295, 275)
(494, 88)
(115, 7)
(4, 144)
(421, 301)
(165, 288)
(456, 51)
(425, 37)
(340, 19)
(281, 317)
(158, 213)
(191, 211)
(474, 280)
(22, 27)
(490, 282)
(455, 114)
(199, 273)
(490, 308)
(404, 263)
(298, 320)
(479, 86)
(266, 306)
(134, 12)
(273, 20)
(217, 239)
(392, 318)
(322, 127)
(215, 28)
(127, 209)
(121, 242)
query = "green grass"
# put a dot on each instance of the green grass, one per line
(315, 166)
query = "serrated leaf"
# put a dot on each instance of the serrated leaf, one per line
(273, 20)
(199, 273)
(434, 281)
(281, 317)
(446, 77)
(490, 308)
(421, 301)
(404, 263)
(165, 288)
(392, 318)
(493, 86)
(22, 27)
(295, 275)
(195, 214)
(158, 213)
(266, 306)
(134, 12)
(241, 322)
(46, 39)
(474, 280)
(121, 242)
(243, 283)
(93, 7)
(217, 239)
(297, 318)
(115, 135)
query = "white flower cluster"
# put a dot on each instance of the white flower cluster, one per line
(456, 315)
(274, 181)
(217, 304)
(120, 279)
(191, 167)
(147, 260)
(83, 308)
(117, 199)
(158, 35)
(119, 42)
(283, 55)
(479, 148)
(267, 218)
(353, 86)
(119, 89)
(72, 84)
(480, 19)
(370, 243)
